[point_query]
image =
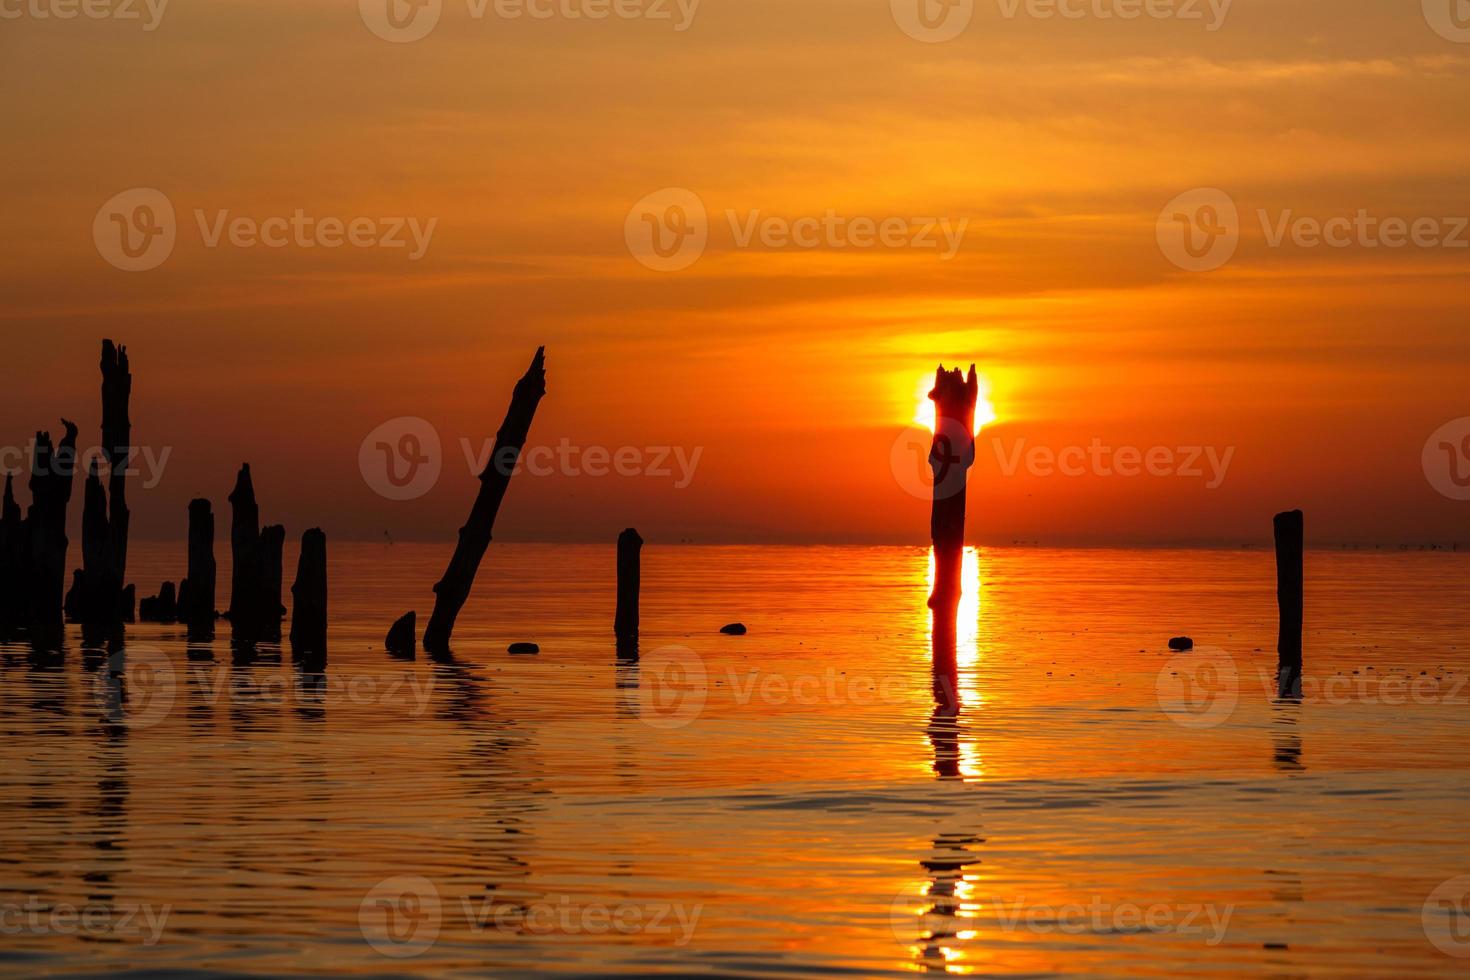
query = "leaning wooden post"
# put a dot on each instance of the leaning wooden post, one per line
(309, 601)
(245, 548)
(474, 538)
(625, 620)
(196, 598)
(950, 457)
(1289, 535)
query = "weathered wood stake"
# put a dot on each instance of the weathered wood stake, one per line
(950, 457)
(52, 469)
(625, 620)
(1289, 536)
(196, 596)
(453, 589)
(245, 549)
(272, 544)
(309, 601)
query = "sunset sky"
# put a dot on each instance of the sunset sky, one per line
(1318, 372)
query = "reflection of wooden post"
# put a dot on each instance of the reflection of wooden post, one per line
(309, 600)
(1289, 535)
(453, 589)
(625, 622)
(950, 457)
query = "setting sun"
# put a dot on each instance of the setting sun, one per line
(924, 413)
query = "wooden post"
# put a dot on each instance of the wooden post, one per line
(52, 469)
(245, 548)
(950, 457)
(309, 601)
(402, 638)
(453, 589)
(196, 597)
(1289, 538)
(625, 621)
(12, 580)
(105, 516)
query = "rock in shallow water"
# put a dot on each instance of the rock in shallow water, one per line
(1181, 643)
(733, 629)
(523, 648)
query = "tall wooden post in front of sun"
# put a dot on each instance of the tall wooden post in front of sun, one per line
(950, 457)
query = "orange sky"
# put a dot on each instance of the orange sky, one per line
(791, 370)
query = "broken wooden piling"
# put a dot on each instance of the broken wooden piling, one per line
(1288, 529)
(309, 601)
(453, 589)
(52, 469)
(196, 594)
(950, 456)
(269, 560)
(625, 619)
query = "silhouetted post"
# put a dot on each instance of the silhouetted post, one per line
(161, 608)
(402, 639)
(272, 544)
(1289, 536)
(625, 621)
(12, 582)
(950, 457)
(196, 596)
(52, 469)
(474, 538)
(105, 516)
(309, 601)
(245, 547)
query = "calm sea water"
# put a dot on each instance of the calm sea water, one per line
(789, 802)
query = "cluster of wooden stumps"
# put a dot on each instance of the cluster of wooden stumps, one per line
(35, 605)
(950, 457)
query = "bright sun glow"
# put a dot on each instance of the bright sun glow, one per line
(984, 411)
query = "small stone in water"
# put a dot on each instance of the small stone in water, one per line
(733, 629)
(523, 648)
(1181, 643)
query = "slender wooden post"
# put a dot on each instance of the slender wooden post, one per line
(625, 621)
(950, 457)
(309, 601)
(12, 581)
(1289, 537)
(52, 469)
(196, 597)
(453, 589)
(245, 548)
